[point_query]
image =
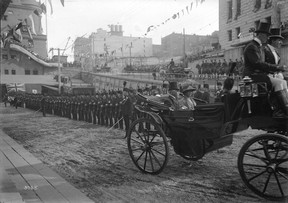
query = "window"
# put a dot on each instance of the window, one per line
(6, 72)
(268, 19)
(4, 56)
(229, 9)
(35, 72)
(13, 72)
(27, 72)
(13, 56)
(238, 9)
(268, 4)
(238, 32)
(229, 35)
(257, 5)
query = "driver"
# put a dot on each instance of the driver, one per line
(256, 67)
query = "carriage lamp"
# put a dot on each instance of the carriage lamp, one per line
(245, 90)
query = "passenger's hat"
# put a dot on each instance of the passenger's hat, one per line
(165, 84)
(263, 28)
(187, 88)
(275, 33)
(173, 86)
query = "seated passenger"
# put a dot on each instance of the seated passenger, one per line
(227, 87)
(174, 94)
(185, 101)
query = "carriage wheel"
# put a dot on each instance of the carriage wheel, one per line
(148, 146)
(263, 165)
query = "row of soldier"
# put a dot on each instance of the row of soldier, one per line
(106, 108)
(103, 108)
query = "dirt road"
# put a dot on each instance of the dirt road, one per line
(97, 162)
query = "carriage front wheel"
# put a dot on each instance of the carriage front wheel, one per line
(148, 146)
(263, 165)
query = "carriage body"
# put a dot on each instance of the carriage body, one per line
(209, 127)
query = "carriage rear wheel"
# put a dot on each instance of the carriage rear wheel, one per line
(263, 165)
(148, 146)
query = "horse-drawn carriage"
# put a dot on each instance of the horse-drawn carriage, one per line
(175, 73)
(262, 160)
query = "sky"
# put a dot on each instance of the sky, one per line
(82, 17)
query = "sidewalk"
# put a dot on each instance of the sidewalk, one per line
(24, 178)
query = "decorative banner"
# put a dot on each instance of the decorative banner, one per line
(62, 2)
(153, 27)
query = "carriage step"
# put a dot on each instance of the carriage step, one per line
(221, 142)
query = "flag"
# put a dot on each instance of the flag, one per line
(32, 24)
(4, 38)
(15, 87)
(43, 7)
(62, 2)
(187, 9)
(17, 35)
(149, 28)
(191, 6)
(51, 6)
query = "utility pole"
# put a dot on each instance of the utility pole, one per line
(184, 42)
(59, 73)
(122, 56)
(130, 54)
(59, 69)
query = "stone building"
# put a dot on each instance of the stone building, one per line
(239, 18)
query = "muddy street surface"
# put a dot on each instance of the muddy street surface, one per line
(98, 163)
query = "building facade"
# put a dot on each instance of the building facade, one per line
(177, 44)
(238, 19)
(114, 43)
(104, 48)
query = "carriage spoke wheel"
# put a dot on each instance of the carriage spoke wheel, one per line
(263, 165)
(148, 146)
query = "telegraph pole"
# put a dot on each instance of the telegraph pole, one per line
(130, 54)
(59, 68)
(59, 73)
(184, 42)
